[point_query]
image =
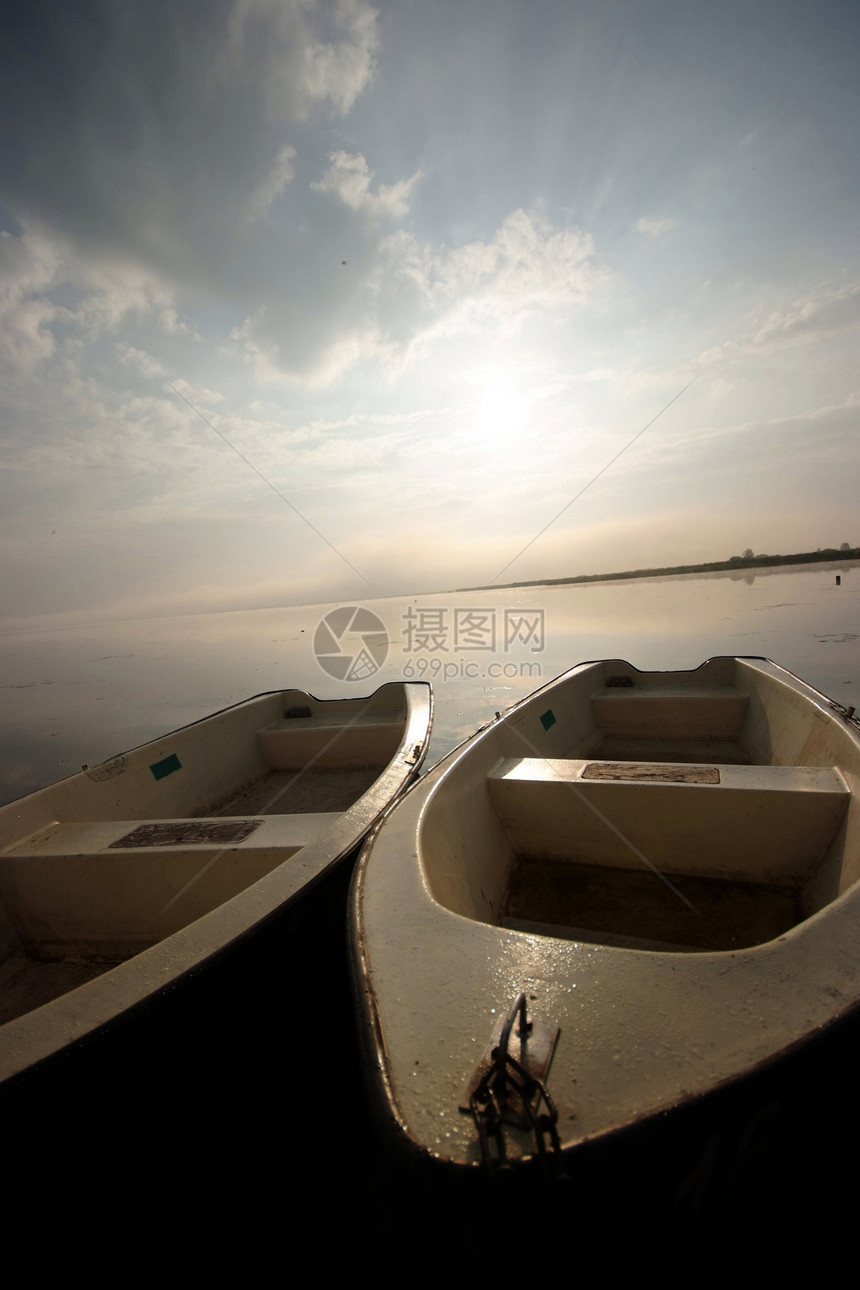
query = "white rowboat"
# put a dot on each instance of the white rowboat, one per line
(661, 866)
(121, 883)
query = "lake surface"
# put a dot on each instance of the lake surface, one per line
(79, 695)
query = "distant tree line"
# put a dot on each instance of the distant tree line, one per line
(846, 551)
(749, 560)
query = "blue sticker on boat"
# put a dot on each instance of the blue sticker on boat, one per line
(166, 766)
(547, 719)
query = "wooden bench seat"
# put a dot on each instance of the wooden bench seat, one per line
(745, 823)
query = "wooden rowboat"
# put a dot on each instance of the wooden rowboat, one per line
(655, 872)
(122, 886)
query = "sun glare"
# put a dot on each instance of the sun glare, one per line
(497, 415)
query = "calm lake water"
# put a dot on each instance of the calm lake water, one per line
(80, 695)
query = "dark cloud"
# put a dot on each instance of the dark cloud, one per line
(150, 125)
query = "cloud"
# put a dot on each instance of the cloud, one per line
(197, 395)
(825, 314)
(274, 43)
(655, 227)
(528, 261)
(805, 321)
(140, 361)
(155, 121)
(165, 172)
(817, 438)
(272, 184)
(173, 162)
(53, 298)
(349, 177)
(528, 269)
(114, 288)
(273, 357)
(29, 267)
(799, 322)
(26, 335)
(407, 294)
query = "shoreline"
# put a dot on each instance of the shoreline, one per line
(737, 563)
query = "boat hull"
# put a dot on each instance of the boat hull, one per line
(219, 979)
(681, 1043)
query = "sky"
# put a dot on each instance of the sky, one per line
(316, 300)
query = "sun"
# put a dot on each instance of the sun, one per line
(497, 414)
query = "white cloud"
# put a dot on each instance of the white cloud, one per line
(26, 335)
(804, 321)
(38, 268)
(829, 312)
(164, 134)
(275, 43)
(273, 183)
(199, 396)
(528, 269)
(29, 267)
(326, 366)
(349, 177)
(416, 294)
(799, 322)
(116, 287)
(821, 435)
(140, 361)
(655, 227)
(526, 262)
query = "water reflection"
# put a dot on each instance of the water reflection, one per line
(79, 696)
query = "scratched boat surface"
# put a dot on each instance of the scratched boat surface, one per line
(118, 884)
(659, 869)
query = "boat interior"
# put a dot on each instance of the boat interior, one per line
(709, 810)
(104, 864)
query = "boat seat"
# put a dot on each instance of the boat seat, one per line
(768, 824)
(294, 742)
(109, 888)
